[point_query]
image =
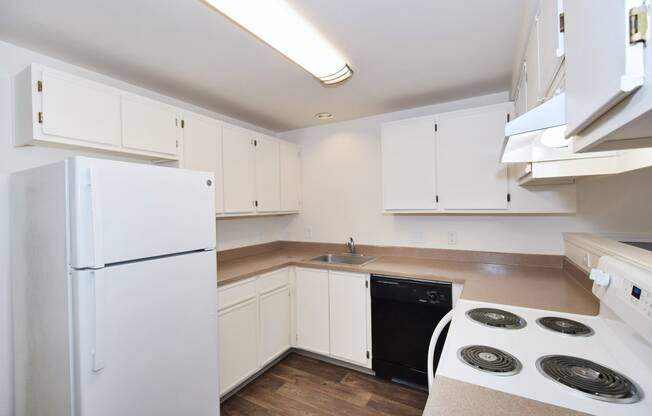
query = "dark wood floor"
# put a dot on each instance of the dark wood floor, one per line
(300, 385)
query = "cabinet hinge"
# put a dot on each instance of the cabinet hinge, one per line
(183, 123)
(39, 86)
(509, 197)
(562, 23)
(40, 117)
(368, 355)
(508, 117)
(637, 24)
(435, 126)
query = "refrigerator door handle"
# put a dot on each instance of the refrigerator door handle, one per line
(99, 294)
(96, 218)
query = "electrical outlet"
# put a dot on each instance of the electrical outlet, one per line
(452, 238)
(417, 237)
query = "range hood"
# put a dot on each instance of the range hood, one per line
(538, 135)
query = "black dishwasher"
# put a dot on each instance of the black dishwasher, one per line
(404, 313)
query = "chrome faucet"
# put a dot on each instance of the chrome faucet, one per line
(351, 245)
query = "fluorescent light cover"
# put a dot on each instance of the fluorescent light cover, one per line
(276, 23)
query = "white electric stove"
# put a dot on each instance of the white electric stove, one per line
(600, 365)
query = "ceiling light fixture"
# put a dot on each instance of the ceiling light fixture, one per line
(324, 116)
(279, 25)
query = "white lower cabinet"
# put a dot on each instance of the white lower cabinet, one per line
(275, 309)
(237, 334)
(324, 312)
(348, 295)
(312, 306)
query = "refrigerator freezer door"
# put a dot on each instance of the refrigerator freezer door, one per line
(156, 331)
(127, 211)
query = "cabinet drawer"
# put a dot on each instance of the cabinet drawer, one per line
(273, 280)
(236, 293)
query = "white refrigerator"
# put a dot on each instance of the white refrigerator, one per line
(114, 284)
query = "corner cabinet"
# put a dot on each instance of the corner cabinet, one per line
(320, 311)
(255, 174)
(450, 164)
(56, 108)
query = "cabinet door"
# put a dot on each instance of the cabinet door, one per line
(149, 126)
(237, 349)
(312, 310)
(598, 77)
(202, 150)
(290, 177)
(268, 174)
(239, 170)
(469, 173)
(348, 316)
(532, 67)
(408, 164)
(275, 322)
(76, 109)
(550, 43)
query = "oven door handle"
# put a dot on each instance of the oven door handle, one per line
(433, 343)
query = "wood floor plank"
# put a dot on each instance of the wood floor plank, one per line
(303, 386)
(397, 393)
(313, 382)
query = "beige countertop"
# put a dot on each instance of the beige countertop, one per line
(548, 288)
(527, 286)
(455, 398)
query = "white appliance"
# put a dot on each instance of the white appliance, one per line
(115, 298)
(618, 339)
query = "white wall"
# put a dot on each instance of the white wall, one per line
(13, 60)
(342, 197)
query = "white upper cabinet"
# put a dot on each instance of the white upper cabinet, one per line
(202, 150)
(469, 173)
(408, 165)
(349, 298)
(290, 177)
(603, 64)
(149, 126)
(53, 107)
(268, 174)
(551, 43)
(77, 109)
(239, 170)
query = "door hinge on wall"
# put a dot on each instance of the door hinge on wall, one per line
(39, 86)
(40, 117)
(637, 24)
(562, 23)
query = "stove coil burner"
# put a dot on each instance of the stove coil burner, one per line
(565, 326)
(589, 378)
(490, 360)
(496, 318)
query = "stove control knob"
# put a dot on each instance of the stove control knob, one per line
(601, 278)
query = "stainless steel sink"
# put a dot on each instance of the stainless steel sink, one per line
(357, 259)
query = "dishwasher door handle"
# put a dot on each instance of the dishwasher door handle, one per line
(433, 343)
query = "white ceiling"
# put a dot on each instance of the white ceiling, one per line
(404, 53)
